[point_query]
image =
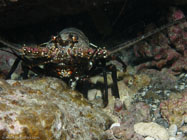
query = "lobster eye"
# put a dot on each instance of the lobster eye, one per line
(53, 38)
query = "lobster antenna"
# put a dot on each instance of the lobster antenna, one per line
(145, 36)
(93, 45)
(9, 45)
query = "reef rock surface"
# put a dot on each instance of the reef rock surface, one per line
(174, 110)
(45, 109)
(165, 51)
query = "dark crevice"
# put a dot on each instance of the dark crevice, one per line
(133, 19)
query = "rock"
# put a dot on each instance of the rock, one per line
(126, 98)
(116, 133)
(149, 138)
(137, 81)
(185, 118)
(172, 138)
(94, 94)
(158, 51)
(127, 118)
(161, 79)
(115, 125)
(151, 129)
(174, 109)
(184, 129)
(45, 109)
(180, 136)
(172, 130)
(126, 94)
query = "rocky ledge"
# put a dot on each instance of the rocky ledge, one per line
(45, 109)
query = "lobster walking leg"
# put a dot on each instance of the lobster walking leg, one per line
(105, 94)
(13, 68)
(117, 58)
(115, 84)
(25, 71)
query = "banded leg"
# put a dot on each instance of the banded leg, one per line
(105, 94)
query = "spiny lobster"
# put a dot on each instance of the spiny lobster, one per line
(70, 56)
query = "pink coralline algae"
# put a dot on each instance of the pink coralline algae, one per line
(165, 49)
(174, 110)
(139, 112)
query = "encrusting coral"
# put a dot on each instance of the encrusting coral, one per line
(165, 49)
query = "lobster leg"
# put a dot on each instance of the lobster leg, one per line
(115, 84)
(105, 94)
(13, 68)
(117, 58)
(25, 71)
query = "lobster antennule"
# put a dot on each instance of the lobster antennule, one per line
(134, 41)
